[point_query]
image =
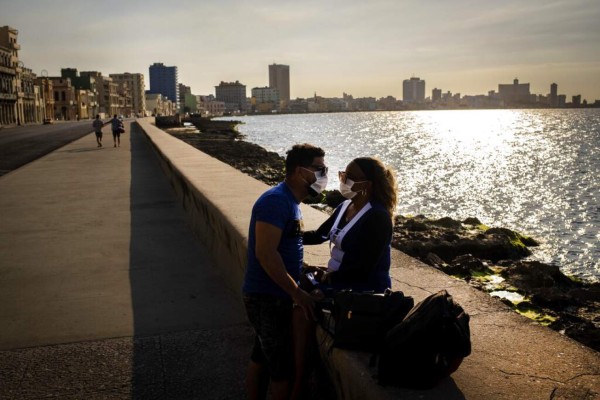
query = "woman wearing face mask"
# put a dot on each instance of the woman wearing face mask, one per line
(360, 234)
(360, 229)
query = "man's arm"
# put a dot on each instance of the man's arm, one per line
(267, 240)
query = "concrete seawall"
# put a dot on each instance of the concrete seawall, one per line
(512, 357)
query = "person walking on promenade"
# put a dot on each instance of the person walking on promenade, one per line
(98, 124)
(275, 256)
(117, 129)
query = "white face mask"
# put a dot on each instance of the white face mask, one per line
(346, 189)
(319, 185)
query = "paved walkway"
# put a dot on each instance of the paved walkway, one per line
(104, 292)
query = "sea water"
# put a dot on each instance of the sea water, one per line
(534, 171)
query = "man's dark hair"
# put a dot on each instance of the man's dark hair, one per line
(301, 155)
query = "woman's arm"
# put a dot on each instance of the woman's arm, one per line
(321, 234)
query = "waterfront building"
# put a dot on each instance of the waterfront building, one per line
(8, 95)
(365, 104)
(8, 75)
(159, 105)
(265, 99)
(154, 104)
(87, 83)
(562, 100)
(576, 100)
(298, 106)
(65, 103)
(183, 91)
(515, 93)
(189, 103)
(209, 106)
(279, 78)
(18, 100)
(389, 103)
(28, 97)
(413, 90)
(46, 96)
(233, 94)
(436, 95)
(108, 95)
(136, 88)
(164, 80)
(553, 95)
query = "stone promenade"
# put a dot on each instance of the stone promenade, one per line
(104, 291)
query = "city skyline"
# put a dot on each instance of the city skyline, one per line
(364, 49)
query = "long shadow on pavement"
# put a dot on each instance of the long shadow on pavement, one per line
(191, 338)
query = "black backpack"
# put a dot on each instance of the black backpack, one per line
(362, 319)
(427, 346)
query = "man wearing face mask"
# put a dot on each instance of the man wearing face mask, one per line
(360, 229)
(275, 255)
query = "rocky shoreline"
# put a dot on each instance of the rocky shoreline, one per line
(491, 259)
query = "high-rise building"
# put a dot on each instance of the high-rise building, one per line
(413, 90)
(233, 94)
(436, 95)
(164, 80)
(137, 88)
(279, 78)
(554, 95)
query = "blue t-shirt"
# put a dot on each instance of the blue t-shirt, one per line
(278, 207)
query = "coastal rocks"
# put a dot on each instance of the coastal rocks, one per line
(531, 275)
(253, 160)
(448, 239)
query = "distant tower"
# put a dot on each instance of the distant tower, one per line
(554, 95)
(279, 78)
(436, 95)
(413, 90)
(164, 80)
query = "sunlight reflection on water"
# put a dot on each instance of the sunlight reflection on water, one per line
(536, 171)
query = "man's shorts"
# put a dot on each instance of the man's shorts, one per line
(271, 318)
(116, 134)
(99, 134)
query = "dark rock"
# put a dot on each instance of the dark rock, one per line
(416, 226)
(450, 236)
(552, 297)
(529, 275)
(472, 221)
(472, 263)
(579, 329)
(525, 306)
(447, 222)
(434, 260)
(465, 265)
(585, 294)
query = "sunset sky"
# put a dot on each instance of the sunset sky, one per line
(363, 48)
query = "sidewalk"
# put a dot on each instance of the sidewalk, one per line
(94, 251)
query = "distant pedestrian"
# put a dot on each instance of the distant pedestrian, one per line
(117, 129)
(98, 124)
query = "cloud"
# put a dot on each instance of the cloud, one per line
(331, 46)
